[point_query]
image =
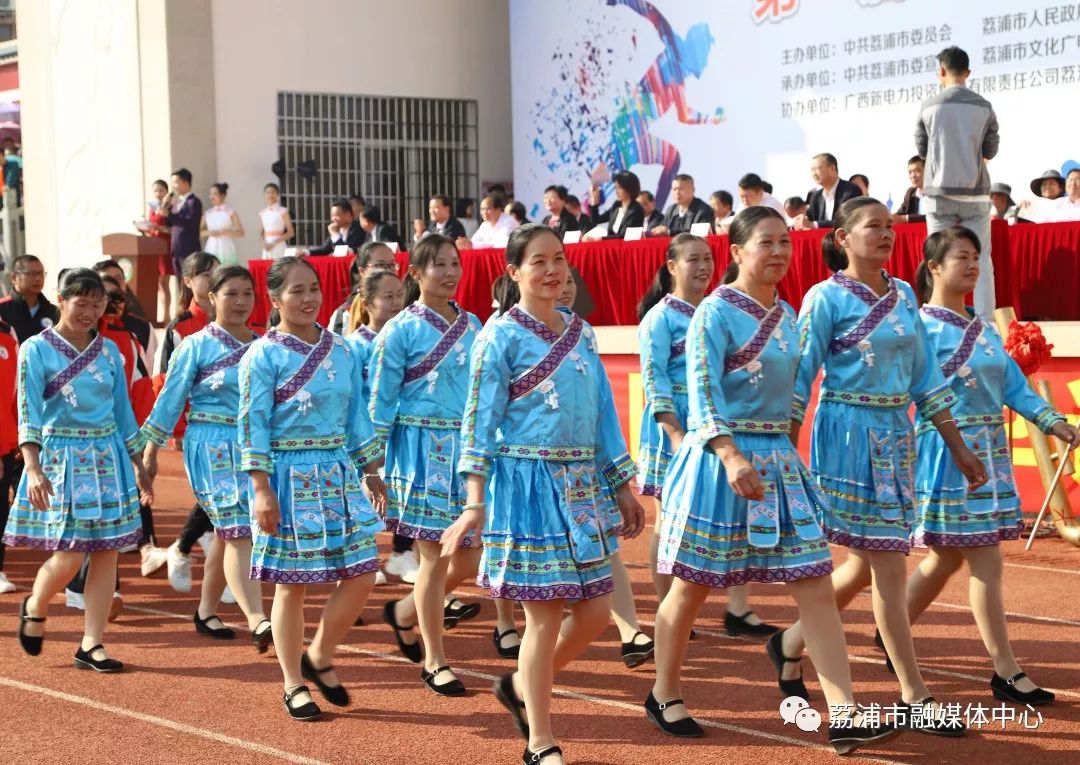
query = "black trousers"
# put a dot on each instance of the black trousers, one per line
(402, 544)
(197, 524)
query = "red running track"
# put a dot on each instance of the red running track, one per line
(188, 699)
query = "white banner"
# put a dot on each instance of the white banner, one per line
(718, 89)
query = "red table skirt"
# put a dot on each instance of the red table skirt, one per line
(1038, 265)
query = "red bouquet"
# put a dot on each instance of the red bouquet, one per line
(1027, 346)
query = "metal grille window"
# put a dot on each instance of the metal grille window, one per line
(394, 152)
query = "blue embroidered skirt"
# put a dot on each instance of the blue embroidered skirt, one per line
(950, 516)
(327, 529)
(95, 504)
(425, 493)
(550, 531)
(711, 536)
(863, 458)
(212, 459)
(654, 450)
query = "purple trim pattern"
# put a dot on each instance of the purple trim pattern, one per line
(553, 592)
(756, 344)
(881, 308)
(744, 303)
(972, 330)
(232, 358)
(79, 361)
(679, 306)
(652, 490)
(678, 348)
(316, 354)
(450, 335)
(73, 545)
(425, 535)
(431, 317)
(844, 539)
(234, 532)
(860, 290)
(266, 574)
(538, 328)
(366, 332)
(546, 367)
(927, 538)
(735, 578)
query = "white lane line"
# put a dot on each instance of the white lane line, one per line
(571, 695)
(162, 722)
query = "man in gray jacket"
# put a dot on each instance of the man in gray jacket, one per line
(956, 133)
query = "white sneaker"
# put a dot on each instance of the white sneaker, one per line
(404, 566)
(380, 578)
(227, 596)
(179, 568)
(75, 600)
(205, 541)
(153, 558)
(5, 584)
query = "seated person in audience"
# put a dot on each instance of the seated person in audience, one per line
(357, 203)
(624, 213)
(833, 191)
(1064, 208)
(516, 210)
(440, 220)
(653, 217)
(795, 206)
(862, 182)
(753, 193)
(343, 229)
(496, 228)
(559, 218)
(722, 204)
(909, 208)
(686, 209)
(375, 228)
(1002, 204)
(1049, 185)
(573, 204)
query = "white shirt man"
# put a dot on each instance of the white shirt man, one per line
(494, 235)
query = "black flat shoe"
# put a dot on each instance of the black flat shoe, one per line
(411, 651)
(507, 653)
(534, 758)
(304, 712)
(335, 694)
(881, 644)
(455, 611)
(938, 725)
(454, 688)
(1005, 690)
(504, 692)
(359, 622)
(774, 647)
(737, 625)
(29, 643)
(847, 740)
(684, 728)
(262, 640)
(634, 654)
(86, 660)
(217, 633)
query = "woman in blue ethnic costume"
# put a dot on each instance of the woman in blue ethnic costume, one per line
(863, 326)
(205, 370)
(78, 493)
(738, 504)
(542, 453)
(304, 438)
(956, 525)
(419, 373)
(665, 312)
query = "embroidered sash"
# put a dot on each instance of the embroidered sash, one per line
(451, 334)
(972, 330)
(768, 320)
(79, 361)
(316, 354)
(679, 306)
(879, 309)
(678, 348)
(560, 349)
(365, 332)
(231, 359)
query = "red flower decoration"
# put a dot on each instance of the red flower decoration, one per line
(1027, 346)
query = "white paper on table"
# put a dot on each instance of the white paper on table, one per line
(595, 234)
(633, 233)
(341, 251)
(393, 246)
(701, 229)
(1040, 210)
(571, 237)
(290, 252)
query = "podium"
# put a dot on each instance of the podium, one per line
(143, 253)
